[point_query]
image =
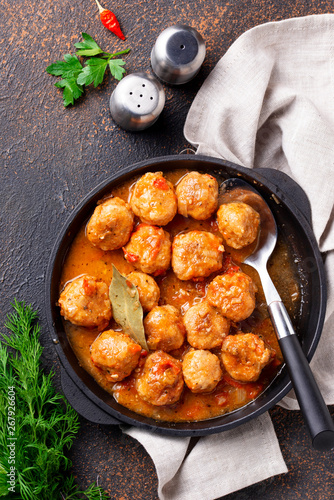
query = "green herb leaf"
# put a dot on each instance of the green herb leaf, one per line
(127, 309)
(75, 77)
(40, 422)
(87, 48)
(72, 90)
(116, 69)
(71, 491)
(69, 69)
(93, 72)
(71, 66)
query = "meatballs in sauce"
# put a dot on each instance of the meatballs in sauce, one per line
(111, 224)
(153, 199)
(84, 301)
(209, 338)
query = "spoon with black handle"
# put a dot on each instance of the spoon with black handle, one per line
(311, 402)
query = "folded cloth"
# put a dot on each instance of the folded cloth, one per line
(218, 464)
(269, 102)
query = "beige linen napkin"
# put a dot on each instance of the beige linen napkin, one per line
(268, 103)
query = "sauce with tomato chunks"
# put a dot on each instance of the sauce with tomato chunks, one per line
(229, 394)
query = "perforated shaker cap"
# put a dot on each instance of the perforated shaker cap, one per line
(137, 101)
(178, 54)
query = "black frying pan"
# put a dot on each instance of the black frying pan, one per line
(293, 220)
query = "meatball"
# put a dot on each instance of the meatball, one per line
(85, 302)
(233, 294)
(238, 223)
(161, 381)
(164, 328)
(148, 290)
(244, 355)
(116, 354)
(197, 195)
(201, 370)
(206, 327)
(149, 249)
(153, 199)
(196, 254)
(111, 224)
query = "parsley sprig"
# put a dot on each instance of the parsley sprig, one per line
(74, 76)
(36, 421)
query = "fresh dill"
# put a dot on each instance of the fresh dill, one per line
(37, 425)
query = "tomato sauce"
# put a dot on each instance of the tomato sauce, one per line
(84, 258)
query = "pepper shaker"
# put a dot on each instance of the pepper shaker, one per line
(178, 54)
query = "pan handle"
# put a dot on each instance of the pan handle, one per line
(311, 402)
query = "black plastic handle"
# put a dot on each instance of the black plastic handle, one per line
(315, 412)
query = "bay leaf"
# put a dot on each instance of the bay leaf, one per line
(127, 309)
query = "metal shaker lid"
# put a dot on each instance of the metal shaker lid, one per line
(178, 54)
(137, 101)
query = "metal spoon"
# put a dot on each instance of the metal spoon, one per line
(312, 405)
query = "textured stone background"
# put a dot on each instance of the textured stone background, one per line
(51, 157)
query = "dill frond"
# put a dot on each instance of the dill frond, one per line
(43, 425)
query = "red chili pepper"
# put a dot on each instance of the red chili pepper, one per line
(110, 21)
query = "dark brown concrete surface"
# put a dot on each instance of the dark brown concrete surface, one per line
(51, 157)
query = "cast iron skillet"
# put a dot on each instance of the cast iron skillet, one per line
(89, 399)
